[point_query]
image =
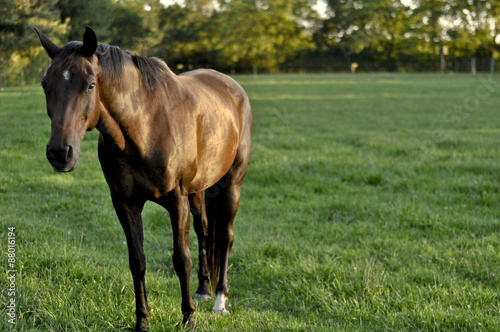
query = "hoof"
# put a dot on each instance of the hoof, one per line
(140, 327)
(189, 322)
(220, 305)
(222, 312)
(203, 297)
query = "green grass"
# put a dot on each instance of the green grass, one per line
(367, 206)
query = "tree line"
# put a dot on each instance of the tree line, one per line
(242, 36)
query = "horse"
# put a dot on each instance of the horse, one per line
(181, 141)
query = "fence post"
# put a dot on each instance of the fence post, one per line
(492, 64)
(473, 65)
(441, 62)
(255, 71)
(443, 50)
(21, 74)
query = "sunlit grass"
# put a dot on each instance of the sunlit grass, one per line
(366, 207)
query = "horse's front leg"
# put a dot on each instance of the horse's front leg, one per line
(129, 214)
(178, 207)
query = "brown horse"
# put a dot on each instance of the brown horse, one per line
(163, 138)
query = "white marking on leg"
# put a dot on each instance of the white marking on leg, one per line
(66, 75)
(220, 304)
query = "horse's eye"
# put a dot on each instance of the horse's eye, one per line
(91, 87)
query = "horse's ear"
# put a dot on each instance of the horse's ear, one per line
(89, 43)
(47, 44)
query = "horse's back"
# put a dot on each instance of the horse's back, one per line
(219, 83)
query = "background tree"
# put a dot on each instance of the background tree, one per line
(79, 13)
(127, 25)
(428, 25)
(190, 35)
(367, 31)
(263, 35)
(20, 55)
(477, 27)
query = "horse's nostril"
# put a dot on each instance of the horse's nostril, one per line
(69, 153)
(60, 154)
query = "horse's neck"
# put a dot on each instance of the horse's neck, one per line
(124, 111)
(130, 110)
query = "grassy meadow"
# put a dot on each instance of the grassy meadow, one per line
(371, 203)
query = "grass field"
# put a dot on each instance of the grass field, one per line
(371, 203)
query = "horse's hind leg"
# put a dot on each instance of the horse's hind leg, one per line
(222, 202)
(197, 204)
(221, 211)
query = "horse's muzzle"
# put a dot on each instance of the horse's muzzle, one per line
(62, 158)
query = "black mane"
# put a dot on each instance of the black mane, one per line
(154, 72)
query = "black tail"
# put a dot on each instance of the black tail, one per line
(216, 205)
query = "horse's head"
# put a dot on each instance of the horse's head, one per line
(71, 92)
